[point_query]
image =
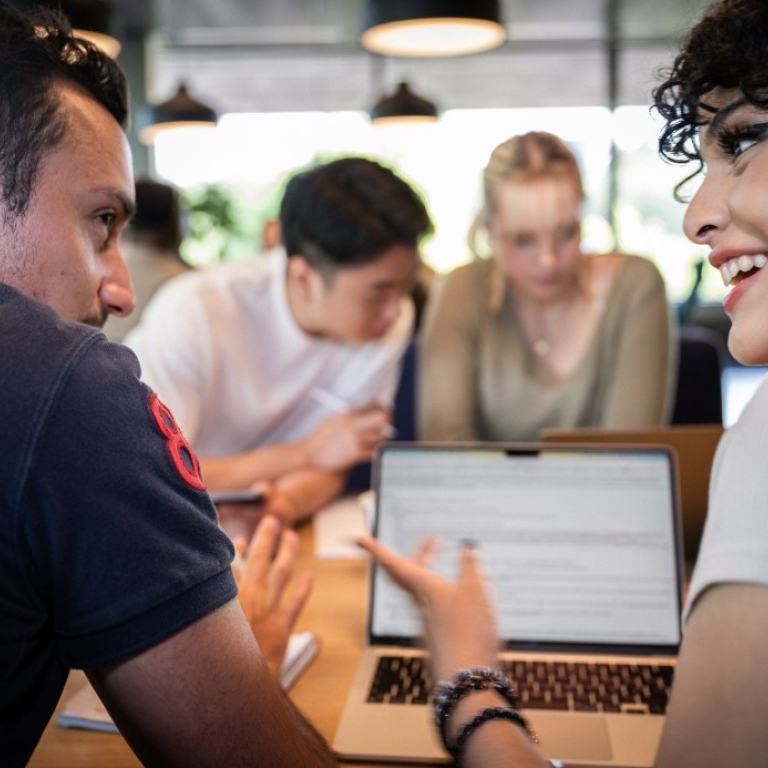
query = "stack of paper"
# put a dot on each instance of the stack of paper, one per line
(337, 526)
(302, 648)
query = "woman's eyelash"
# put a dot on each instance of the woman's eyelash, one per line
(730, 139)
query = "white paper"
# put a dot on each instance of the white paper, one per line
(85, 710)
(302, 648)
(336, 528)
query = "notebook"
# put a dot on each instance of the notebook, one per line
(584, 554)
(694, 446)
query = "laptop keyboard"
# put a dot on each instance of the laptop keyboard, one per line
(554, 685)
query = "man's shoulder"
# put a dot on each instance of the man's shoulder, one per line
(45, 356)
(40, 348)
(31, 330)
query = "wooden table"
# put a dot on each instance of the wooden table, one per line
(335, 613)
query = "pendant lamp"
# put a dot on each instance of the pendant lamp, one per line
(424, 28)
(180, 111)
(403, 106)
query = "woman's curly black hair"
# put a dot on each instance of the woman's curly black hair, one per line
(727, 49)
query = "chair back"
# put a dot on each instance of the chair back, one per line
(699, 393)
(403, 414)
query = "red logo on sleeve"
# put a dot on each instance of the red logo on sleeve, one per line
(182, 455)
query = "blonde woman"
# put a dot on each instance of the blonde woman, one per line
(534, 332)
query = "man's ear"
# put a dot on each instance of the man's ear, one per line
(301, 274)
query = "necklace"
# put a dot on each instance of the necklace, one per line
(548, 333)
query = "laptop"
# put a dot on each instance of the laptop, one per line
(694, 446)
(583, 549)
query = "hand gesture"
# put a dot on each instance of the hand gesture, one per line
(262, 578)
(345, 439)
(459, 624)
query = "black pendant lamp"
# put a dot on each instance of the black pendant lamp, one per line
(424, 28)
(403, 106)
(180, 111)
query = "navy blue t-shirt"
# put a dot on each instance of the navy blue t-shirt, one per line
(108, 541)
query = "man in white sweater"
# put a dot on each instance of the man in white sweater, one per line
(281, 370)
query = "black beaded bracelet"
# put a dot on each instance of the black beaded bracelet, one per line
(492, 713)
(448, 694)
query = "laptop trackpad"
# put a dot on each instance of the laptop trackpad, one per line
(571, 737)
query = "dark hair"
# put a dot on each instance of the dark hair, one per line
(727, 48)
(158, 217)
(37, 50)
(348, 212)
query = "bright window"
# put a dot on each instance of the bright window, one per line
(251, 155)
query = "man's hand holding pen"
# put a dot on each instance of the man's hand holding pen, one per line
(345, 439)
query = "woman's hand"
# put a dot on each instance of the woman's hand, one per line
(267, 566)
(459, 624)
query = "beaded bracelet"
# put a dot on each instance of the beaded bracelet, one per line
(492, 713)
(447, 694)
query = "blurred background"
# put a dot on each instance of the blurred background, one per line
(289, 83)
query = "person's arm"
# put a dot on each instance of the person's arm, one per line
(448, 359)
(716, 715)
(144, 596)
(209, 694)
(338, 443)
(304, 493)
(641, 377)
(460, 632)
(206, 696)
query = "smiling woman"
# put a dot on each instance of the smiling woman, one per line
(719, 701)
(738, 268)
(727, 213)
(715, 104)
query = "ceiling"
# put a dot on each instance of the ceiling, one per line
(302, 55)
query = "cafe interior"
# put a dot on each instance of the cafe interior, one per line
(276, 84)
(230, 97)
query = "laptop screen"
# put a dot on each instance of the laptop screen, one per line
(581, 546)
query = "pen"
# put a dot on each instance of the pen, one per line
(329, 400)
(338, 404)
